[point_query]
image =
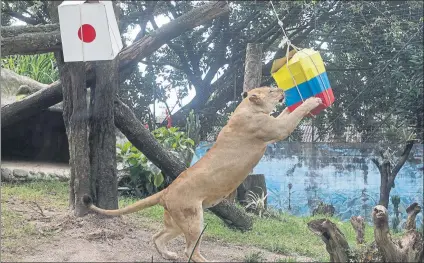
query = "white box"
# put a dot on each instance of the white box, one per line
(89, 31)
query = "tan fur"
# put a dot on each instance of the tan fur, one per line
(239, 147)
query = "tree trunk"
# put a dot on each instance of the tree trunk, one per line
(128, 59)
(75, 116)
(104, 182)
(388, 175)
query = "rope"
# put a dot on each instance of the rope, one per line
(286, 41)
(82, 34)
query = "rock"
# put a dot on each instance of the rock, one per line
(23, 90)
(32, 175)
(41, 175)
(6, 175)
(63, 177)
(20, 174)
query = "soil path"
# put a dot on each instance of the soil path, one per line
(63, 238)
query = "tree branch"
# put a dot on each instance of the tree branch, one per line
(148, 44)
(145, 15)
(218, 55)
(401, 161)
(377, 163)
(30, 39)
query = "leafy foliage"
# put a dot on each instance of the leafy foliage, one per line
(144, 178)
(141, 175)
(41, 67)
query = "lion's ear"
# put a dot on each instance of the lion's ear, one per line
(255, 99)
(244, 94)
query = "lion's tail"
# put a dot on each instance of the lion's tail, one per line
(137, 206)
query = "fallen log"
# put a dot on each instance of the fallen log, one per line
(33, 104)
(128, 59)
(10, 82)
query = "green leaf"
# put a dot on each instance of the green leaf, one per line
(133, 162)
(190, 141)
(133, 149)
(126, 146)
(158, 179)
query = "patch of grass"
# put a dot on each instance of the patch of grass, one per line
(286, 234)
(13, 227)
(53, 192)
(286, 260)
(254, 257)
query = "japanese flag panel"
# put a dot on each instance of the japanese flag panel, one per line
(89, 31)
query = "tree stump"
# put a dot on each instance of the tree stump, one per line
(254, 183)
(358, 224)
(408, 249)
(335, 242)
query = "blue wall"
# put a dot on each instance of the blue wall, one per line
(336, 173)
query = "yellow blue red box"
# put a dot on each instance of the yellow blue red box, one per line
(304, 76)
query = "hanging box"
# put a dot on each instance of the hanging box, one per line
(308, 72)
(89, 31)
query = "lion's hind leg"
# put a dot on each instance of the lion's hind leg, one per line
(170, 232)
(190, 220)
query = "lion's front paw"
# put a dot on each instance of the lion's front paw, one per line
(313, 102)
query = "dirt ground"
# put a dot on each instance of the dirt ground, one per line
(61, 237)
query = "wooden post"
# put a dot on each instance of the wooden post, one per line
(253, 67)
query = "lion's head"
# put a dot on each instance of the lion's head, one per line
(264, 99)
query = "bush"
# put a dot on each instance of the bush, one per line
(141, 176)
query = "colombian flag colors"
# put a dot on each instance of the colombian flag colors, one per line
(306, 69)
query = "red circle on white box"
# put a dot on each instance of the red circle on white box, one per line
(87, 33)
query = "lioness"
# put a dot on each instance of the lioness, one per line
(239, 147)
